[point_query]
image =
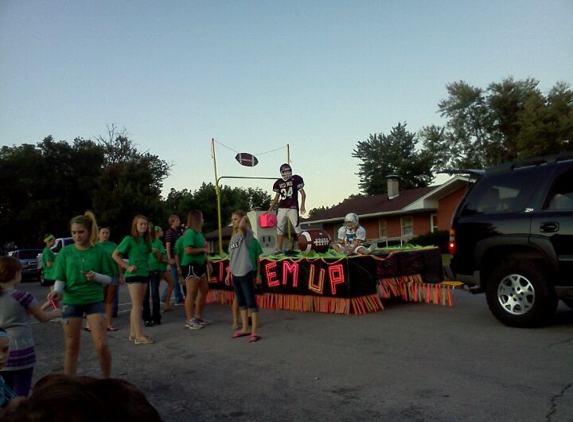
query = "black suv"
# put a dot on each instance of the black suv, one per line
(512, 238)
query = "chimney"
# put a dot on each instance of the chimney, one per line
(393, 186)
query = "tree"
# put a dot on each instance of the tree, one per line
(205, 200)
(508, 121)
(393, 154)
(44, 186)
(130, 184)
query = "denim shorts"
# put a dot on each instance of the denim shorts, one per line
(114, 281)
(78, 311)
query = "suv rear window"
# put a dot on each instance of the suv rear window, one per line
(502, 193)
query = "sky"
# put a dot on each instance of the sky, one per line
(304, 80)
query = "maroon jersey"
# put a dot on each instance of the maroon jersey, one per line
(288, 191)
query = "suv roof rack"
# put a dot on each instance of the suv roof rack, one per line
(531, 162)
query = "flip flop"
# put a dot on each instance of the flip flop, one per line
(240, 334)
(254, 338)
(111, 329)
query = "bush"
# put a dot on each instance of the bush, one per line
(439, 238)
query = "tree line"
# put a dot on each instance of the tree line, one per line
(507, 121)
(44, 185)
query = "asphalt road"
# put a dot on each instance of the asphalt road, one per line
(411, 362)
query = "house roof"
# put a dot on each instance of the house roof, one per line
(408, 201)
(226, 233)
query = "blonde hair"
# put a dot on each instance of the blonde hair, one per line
(87, 220)
(9, 267)
(239, 213)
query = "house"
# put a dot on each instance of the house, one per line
(394, 218)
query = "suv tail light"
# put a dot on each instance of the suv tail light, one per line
(452, 242)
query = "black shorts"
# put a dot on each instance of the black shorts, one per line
(193, 271)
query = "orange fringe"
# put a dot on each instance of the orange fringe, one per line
(412, 289)
(300, 303)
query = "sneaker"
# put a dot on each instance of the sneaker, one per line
(278, 252)
(372, 247)
(193, 324)
(204, 321)
(182, 303)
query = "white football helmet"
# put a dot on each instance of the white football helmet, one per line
(351, 220)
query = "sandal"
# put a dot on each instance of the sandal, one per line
(254, 338)
(111, 329)
(88, 329)
(144, 340)
(240, 334)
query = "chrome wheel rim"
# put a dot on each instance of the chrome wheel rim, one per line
(516, 294)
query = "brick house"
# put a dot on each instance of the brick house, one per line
(394, 218)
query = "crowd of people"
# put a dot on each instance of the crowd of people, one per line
(84, 279)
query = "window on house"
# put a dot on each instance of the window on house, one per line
(382, 229)
(434, 223)
(407, 226)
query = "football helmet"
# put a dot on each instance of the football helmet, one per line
(286, 171)
(351, 220)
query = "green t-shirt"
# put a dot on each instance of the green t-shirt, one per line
(195, 240)
(70, 266)
(47, 256)
(109, 247)
(138, 253)
(154, 263)
(255, 250)
(178, 248)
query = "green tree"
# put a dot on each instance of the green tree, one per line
(44, 186)
(507, 121)
(393, 154)
(130, 184)
(205, 200)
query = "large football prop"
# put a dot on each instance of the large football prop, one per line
(313, 240)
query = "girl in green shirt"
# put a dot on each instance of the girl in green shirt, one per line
(117, 276)
(80, 270)
(48, 258)
(138, 247)
(194, 269)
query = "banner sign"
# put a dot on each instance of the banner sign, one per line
(354, 282)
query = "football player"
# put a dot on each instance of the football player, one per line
(286, 191)
(351, 236)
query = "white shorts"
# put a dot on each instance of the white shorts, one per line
(287, 213)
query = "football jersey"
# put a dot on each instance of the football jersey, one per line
(348, 235)
(288, 191)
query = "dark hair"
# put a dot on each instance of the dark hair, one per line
(194, 220)
(9, 266)
(65, 398)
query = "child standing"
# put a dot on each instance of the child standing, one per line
(48, 258)
(8, 397)
(81, 270)
(194, 268)
(157, 267)
(137, 246)
(15, 309)
(110, 290)
(245, 271)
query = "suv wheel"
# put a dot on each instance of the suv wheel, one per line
(519, 295)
